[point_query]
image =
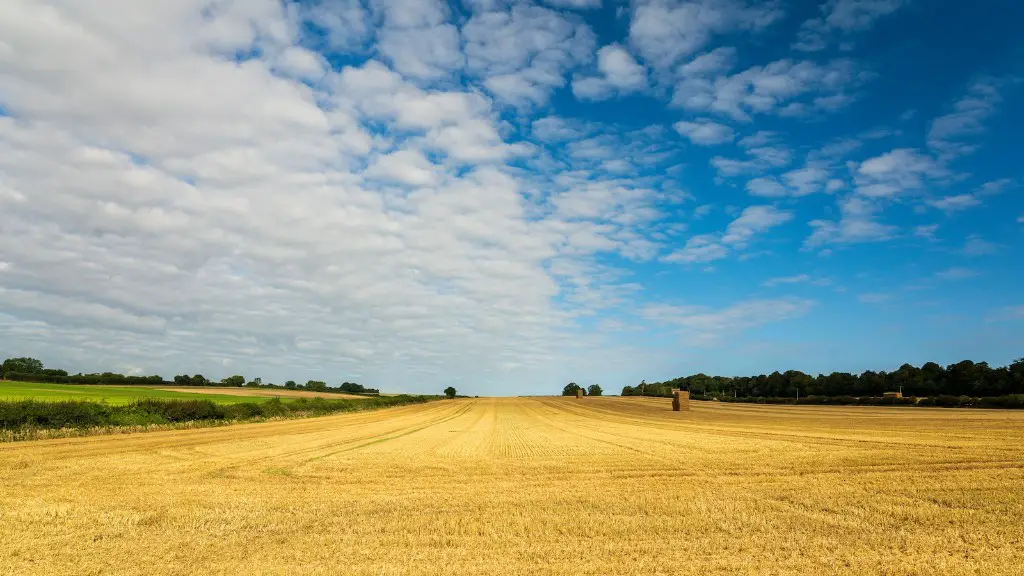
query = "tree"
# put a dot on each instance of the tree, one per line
(570, 389)
(449, 392)
(21, 366)
(627, 391)
(290, 384)
(316, 386)
(236, 380)
(594, 390)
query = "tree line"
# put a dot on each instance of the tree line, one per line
(963, 379)
(33, 370)
(592, 390)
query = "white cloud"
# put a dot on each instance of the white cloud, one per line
(873, 298)
(948, 133)
(199, 205)
(710, 64)
(664, 31)
(758, 160)
(555, 129)
(926, 231)
(978, 246)
(577, 4)
(783, 87)
(758, 139)
(738, 235)
(955, 273)
(619, 74)
(856, 225)
(767, 187)
(955, 203)
(620, 69)
(798, 279)
(404, 166)
(702, 248)
(704, 325)
(843, 16)
(705, 132)
(344, 23)
(752, 221)
(417, 39)
(897, 172)
(523, 54)
(806, 180)
(1007, 313)
(424, 53)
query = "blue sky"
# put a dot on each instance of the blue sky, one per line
(505, 196)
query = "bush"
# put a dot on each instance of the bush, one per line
(180, 410)
(28, 414)
(63, 414)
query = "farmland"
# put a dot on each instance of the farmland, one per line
(530, 486)
(110, 394)
(125, 394)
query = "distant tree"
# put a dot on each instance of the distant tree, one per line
(182, 380)
(21, 366)
(236, 380)
(290, 385)
(594, 390)
(199, 380)
(316, 386)
(449, 392)
(570, 389)
(627, 390)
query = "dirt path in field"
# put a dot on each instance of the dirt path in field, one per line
(529, 486)
(270, 393)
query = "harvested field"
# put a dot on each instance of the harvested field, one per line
(260, 392)
(530, 486)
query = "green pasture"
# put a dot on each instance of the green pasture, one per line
(109, 394)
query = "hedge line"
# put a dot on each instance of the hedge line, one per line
(36, 414)
(1015, 401)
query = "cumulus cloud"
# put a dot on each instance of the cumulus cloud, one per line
(754, 220)
(843, 16)
(897, 172)
(955, 203)
(705, 325)
(856, 225)
(978, 246)
(771, 282)
(199, 190)
(701, 248)
(758, 159)
(618, 72)
(800, 182)
(949, 135)
(784, 87)
(522, 54)
(955, 273)
(705, 132)
(664, 31)
(738, 235)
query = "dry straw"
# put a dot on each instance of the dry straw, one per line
(681, 400)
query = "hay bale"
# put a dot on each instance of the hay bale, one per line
(579, 392)
(681, 400)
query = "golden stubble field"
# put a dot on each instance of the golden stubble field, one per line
(530, 486)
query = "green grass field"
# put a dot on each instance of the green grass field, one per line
(110, 394)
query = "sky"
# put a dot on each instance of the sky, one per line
(508, 196)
